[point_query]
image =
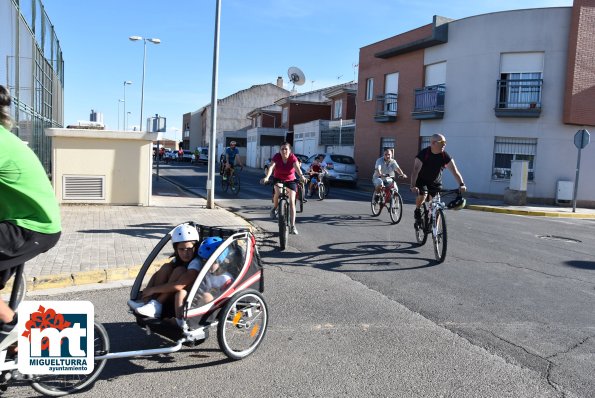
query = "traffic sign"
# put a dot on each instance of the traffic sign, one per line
(582, 138)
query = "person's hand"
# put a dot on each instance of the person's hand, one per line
(302, 178)
(264, 181)
(148, 292)
(463, 188)
(415, 190)
(403, 175)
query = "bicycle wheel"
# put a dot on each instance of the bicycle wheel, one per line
(242, 324)
(321, 191)
(234, 183)
(58, 385)
(376, 206)
(224, 183)
(420, 232)
(283, 223)
(395, 208)
(299, 198)
(439, 236)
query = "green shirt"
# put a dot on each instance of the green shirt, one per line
(26, 195)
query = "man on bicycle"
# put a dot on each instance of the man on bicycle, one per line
(232, 155)
(385, 165)
(29, 212)
(426, 177)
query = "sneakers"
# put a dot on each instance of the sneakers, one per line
(182, 324)
(135, 304)
(224, 177)
(274, 213)
(293, 230)
(152, 309)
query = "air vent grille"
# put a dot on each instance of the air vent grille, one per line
(83, 187)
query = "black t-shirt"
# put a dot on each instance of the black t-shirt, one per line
(432, 165)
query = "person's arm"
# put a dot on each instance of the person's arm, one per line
(238, 160)
(455, 172)
(297, 168)
(269, 171)
(184, 280)
(415, 172)
(226, 156)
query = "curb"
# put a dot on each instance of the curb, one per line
(496, 209)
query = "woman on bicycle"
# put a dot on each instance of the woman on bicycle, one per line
(29, 212)
(283, 167)
(385, 165)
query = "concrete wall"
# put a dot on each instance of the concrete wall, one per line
(122, 159)
(472, 57)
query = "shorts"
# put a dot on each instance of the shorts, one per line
(289, 184)
(19, 245)
(431, 188)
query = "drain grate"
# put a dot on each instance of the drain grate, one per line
(562, 238)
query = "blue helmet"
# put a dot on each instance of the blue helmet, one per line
(208, 246)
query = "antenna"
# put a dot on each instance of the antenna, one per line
(296, 76)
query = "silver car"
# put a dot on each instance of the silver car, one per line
(339, 167)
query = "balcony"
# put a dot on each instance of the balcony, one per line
(386, 108)
(429, 102)
(519, 98)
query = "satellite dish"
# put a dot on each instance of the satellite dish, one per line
(296, 76)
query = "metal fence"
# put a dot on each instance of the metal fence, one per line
(32, 68)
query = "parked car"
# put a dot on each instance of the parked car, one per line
(170, 156)
(339, 167)
(187, 156)
(301, 158)
(203, 155)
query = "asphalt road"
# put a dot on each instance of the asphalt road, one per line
(358, 309)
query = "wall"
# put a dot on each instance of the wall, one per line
(123, 158)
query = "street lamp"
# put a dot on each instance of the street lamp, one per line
(120, 100)
(126, 82)
(142, 89)
(127, 115)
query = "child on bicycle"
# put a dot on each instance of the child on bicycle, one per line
(316, 170)
(385, 165)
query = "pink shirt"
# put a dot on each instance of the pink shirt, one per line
(284, 171)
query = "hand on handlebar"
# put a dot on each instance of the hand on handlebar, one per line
(415, 190)
(264, 181)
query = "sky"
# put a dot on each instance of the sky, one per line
(259, 40)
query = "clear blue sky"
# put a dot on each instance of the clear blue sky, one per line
(259, 40)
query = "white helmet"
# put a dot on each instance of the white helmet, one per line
(184, 233)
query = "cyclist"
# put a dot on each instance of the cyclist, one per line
(385, 165)
(284, 165)
(316, 170)
(232, 155)
(426, 177)
(29, 212)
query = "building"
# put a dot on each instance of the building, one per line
(232, 122)
(503, 87)
(32, 68)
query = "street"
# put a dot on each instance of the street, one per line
(358, 309)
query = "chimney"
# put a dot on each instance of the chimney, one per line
(279, 81)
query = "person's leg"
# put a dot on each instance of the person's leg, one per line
(292, 206)
(179, 303)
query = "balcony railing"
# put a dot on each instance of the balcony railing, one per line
(519, 98)
(429, 102)
(386, 108)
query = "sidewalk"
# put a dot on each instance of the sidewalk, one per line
(101, 244)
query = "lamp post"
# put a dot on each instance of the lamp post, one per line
(142, 89)
(127, 115)
(126, 82)
(119, 101)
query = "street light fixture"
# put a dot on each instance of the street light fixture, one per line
(119, 101)
(154, 41)
(126, 82)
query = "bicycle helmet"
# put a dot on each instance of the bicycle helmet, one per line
(184, 233)
(457, 203)
(208, 246)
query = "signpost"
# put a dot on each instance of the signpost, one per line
(581, 140)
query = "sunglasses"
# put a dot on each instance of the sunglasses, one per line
(440, 142)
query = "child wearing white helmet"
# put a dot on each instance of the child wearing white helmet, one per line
(170, 277)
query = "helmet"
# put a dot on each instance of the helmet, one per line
(457, 203)
(208, 246)
(184, 233)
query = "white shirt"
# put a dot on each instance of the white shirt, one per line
(386, 167)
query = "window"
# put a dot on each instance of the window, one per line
(338, 111)
(284, 115)
(387, 142)
(520, 90)
(424, 142)
(507, 149)
(369, 89)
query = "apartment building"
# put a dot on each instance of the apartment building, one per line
(504, 86)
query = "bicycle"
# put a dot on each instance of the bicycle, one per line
(231, 181)
(50, 384)
(317, 180)
(433, 222)
(389, 195)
